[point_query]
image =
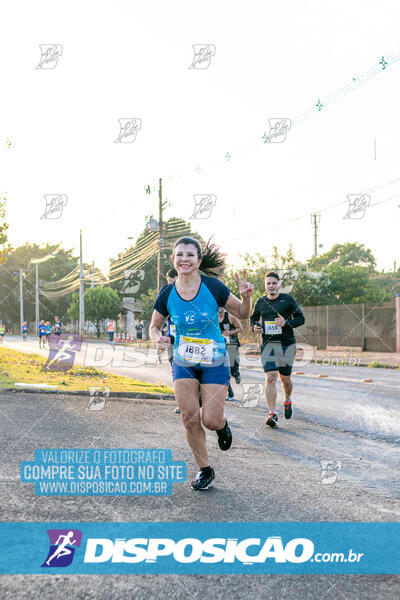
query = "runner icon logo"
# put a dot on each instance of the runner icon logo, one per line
(203, 54)
(330, 470)
(252, 394)
(98, 397)
(50, 54)
(128, 129)
(62, 550)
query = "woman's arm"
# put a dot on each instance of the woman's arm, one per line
(162, 341)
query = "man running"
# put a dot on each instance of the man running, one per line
(2, 332)
(200, 358)
(24, 330)
(172, 276)
(42, 334)
(57, 326)
(139, 331)
(230, 327)
(279, 314)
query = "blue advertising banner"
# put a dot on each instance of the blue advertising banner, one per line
(200, 548)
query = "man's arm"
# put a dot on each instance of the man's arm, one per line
(255, 317)
(236, 323)
(297, 317)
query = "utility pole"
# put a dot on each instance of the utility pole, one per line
(92, 286)
(21, 299)
(81, 290)
(160, 232)
(315, 219)
(37, 297)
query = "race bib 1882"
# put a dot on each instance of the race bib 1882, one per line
(196, 350)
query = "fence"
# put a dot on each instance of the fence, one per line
(364, 326)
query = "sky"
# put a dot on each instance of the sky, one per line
(130, 60)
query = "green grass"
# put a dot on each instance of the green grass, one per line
(18, 367)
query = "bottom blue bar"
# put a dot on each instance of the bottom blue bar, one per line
(199, 548)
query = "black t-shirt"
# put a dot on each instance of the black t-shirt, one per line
(226, 325)
(284, 305)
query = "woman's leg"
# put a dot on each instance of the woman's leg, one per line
(187, 399)
(213, 395)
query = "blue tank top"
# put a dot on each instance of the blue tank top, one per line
(196, 318)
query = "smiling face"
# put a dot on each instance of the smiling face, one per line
(272, 286)
(186, 260)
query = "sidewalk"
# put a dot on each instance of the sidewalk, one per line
(346, 357)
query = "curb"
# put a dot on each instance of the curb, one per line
(136, 395)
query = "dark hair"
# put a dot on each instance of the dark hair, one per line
(212, 260)
(172, 273)
(271, 274)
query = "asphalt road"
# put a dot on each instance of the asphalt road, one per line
(267, 475)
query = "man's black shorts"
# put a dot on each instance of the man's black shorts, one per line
(278, 357)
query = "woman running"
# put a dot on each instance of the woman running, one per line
(200, 356)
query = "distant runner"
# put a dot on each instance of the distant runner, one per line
(24, 330)
(279, 314)
(2, 332)
(230, 327)
(48, 332)
(111, 330)
(42, 334)
(139, 331)
(57, 326)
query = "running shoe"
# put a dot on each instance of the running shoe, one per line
(203, 482)
(177, 411)
(288, 409)
(272, 419)
(238, 379)
(224, 437)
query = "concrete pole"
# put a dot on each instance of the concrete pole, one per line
(37, 297)
(21, 299)
(397, 300)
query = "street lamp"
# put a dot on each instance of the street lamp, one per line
(36, 262)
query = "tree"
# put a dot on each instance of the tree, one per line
(147, 301)
(100, 303)
(145, 249)
(345, 255)
(52, 270)
(4, 250)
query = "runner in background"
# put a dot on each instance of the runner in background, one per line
(230, 327)
(42, 334)
(279, 314)
(48, 332)
(139, 331)
(24, 330)
(172, 275)
(2, 332)
(111, 330)
(57, 326)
